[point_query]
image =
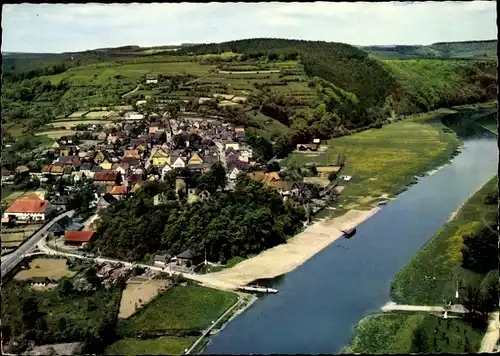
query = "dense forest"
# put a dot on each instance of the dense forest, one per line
(227, 224)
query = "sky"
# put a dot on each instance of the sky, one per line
(75, 27)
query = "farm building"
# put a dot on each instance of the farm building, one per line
(162, 260)
(188, 258)
(40, 281)
(78, 237)
(151, 79)
(133, 116)
(28, 210)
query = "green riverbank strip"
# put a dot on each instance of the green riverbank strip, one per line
(431, 275)
(384, 162)
(180, 311)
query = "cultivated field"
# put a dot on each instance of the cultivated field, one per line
(45, 267)
(74, 123)
(13, 237)
(165, 345)
(138, 293)
(55, 133)
(179, 308)
(97, 114)
(77, 114)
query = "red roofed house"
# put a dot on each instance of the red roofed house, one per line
(28, 210)
(119, 191)
(107, 177)
(78, 237)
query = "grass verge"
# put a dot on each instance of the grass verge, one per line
(165, 345)
(434, 270)
(180, 308)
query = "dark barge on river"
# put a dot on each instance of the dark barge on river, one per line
(349, 233)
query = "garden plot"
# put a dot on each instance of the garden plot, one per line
(139, 292)
(45, 267)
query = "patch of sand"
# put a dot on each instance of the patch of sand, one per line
(286, 257)
(45, 267)
(143, 290)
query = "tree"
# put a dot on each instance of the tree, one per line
(65, 287)
(480, 251)
(29, 312)
(419, 341)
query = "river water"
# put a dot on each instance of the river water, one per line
(319, 303)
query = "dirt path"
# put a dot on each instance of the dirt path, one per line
(131, 92)
(250, 72)
(492, 334)
(286, 257)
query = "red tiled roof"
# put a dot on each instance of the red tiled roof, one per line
(119, 190)
(28, 206)
(78, 236)
(105, 176)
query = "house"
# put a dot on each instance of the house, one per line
(40, 281)
(105, 201)
(195, 159)
(133, 116)
(101, 136)
(60, 201)
(62, 225)
(78, 237)
(106, 164)
(151, 79)
(122, 168)
(162, 260)
(22, 169)
(188, 258)
(6, 175)
(233, 174)
(164, 170)
(233, 145)
(306, 147)
(159, 156)
(86, 169)
(28, 210)
(107, 177)
(119, 192)
(265, 177)
(325, 171)
(179, 163)
(50, 169)
(72, 161)
(132, 153)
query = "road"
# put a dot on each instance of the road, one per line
(393, 307)
(201, 278)
(131, 92)
(207, 330)
(249, 72)
(11, 260)
(490, 339)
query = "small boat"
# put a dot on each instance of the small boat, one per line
(258, 289)
(383, 202)
(349, 233)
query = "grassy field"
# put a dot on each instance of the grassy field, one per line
(53, 134)
(440, 258)
(394, 333)
(180, 308)
(161, 346)
(384, 161)
(45, 267)
(97, 114)
(73, 123)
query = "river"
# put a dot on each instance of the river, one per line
(319, 303)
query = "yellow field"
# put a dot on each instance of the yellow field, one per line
(136, 295)
(45, 267)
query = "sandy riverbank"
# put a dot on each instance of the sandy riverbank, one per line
(286, 257)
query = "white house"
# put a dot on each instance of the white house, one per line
(151, 79)
(234, 145)
(179, 163)
(132, 116)
(233, 174)
(28, 210)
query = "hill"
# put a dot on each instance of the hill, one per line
(296, 89)
(441, 50)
